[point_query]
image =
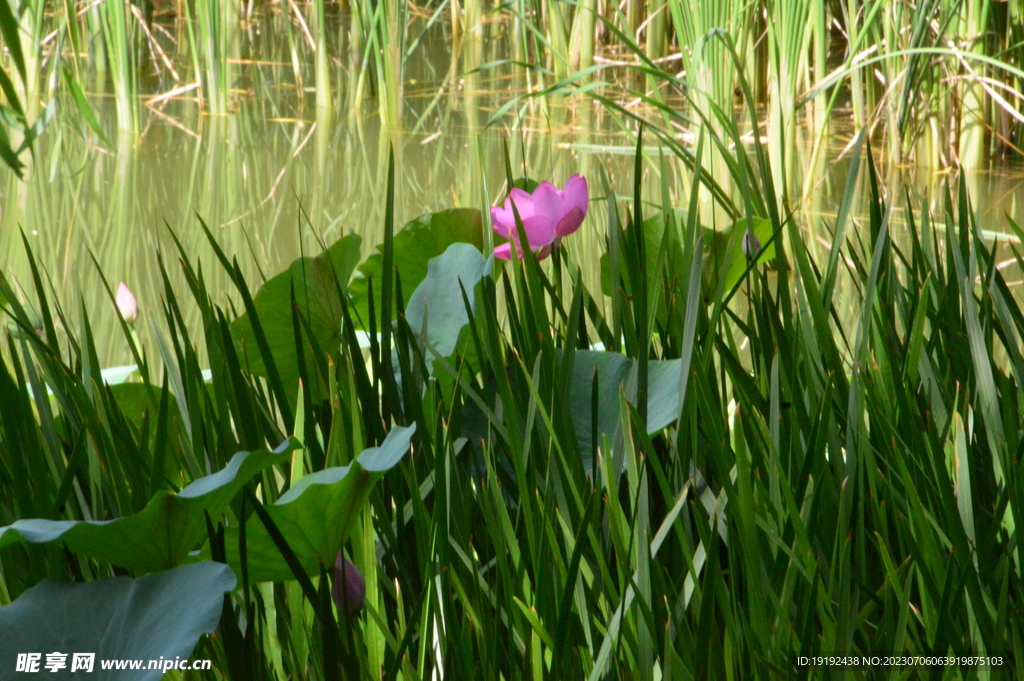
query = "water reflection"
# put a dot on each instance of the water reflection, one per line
(273, 179)
(285, 170)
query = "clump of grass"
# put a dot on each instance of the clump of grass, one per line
(838, 471)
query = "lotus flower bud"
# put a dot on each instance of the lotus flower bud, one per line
(126, 303)
(751, 245)
(349, 588)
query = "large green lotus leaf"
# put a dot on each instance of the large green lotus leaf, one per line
(420, 240)
(118, 375)
(464, 358)
(654, 245)
(316, 515)
(317, 282)
(160, 615)
(437, 305)
(613, 370)
(716, 256)
(527, 184)
(135, 402)
(617, 372)
(662, 393)
(654, 232)
(161, 535)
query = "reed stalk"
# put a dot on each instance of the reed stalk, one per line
(974, 120)
(582, 36)
(119, 36)
(324, 99)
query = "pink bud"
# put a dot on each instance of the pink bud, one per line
(126, 303)
(349, 588)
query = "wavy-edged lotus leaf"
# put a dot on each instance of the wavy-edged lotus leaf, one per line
(436, 306)
(161, 535)
(159, 615)
(318, 282)
(316, 515)
(617, 372)
(420, 240)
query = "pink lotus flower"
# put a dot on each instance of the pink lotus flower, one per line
(548, 214)
(349, 588)
(126, 303)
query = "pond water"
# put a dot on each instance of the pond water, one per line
(278, 175)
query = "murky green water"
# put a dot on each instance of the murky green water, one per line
(279, 176)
